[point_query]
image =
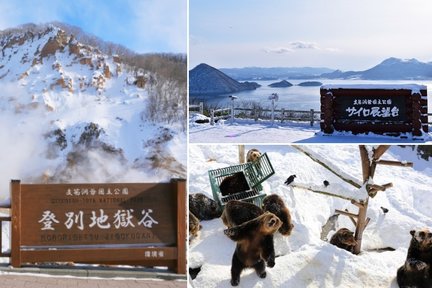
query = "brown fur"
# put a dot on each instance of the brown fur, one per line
(238, 212)
(253, 155)
(254, 245)
(273, 203)
(194, 226)
(203, 207)
(417, 270)
(344, 239)
(234, 184)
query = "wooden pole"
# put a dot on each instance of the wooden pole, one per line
(180, 188)
(16, 223)
(321, 192)
(241, 150)
(395, 163)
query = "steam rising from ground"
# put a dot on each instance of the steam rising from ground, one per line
(30, 152)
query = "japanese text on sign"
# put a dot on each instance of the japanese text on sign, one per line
(120, 219)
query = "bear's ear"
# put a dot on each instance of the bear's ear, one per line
(412, 232)
(232, 233)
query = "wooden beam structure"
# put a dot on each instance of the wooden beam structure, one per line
(394, 163)
(321, 192)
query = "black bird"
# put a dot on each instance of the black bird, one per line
(385, 210)
(290, 179)
(326, 183)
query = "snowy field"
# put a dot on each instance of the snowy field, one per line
(263, 131)
(304, 260)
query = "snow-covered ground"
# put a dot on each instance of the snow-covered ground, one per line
(304, 259)
(263, 131)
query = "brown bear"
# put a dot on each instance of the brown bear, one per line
(194, 226)
(233, 184)
(203, 207)
(417, 270)
(344, 239)
(254, 245)
(253, 155)
(274, 204)
(237, 212)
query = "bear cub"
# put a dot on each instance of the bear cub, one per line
(417, 270)
(253, 248)
(203, 207)
(274, 204)
(237, 212)
(344, 239)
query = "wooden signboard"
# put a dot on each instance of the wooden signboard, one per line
(116, 223)
(382, 109)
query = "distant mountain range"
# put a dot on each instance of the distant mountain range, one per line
(390, 69)
(260, 73)
(207, 80)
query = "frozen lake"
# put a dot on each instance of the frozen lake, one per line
(294, 97)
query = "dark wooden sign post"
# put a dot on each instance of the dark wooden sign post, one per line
(381, 109)
(115, 223)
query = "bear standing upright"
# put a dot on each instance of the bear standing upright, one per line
(417, 270)
(252, 249)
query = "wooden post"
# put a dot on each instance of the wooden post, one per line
(180, 188)
(15, 187)
(212, 121)
(232, 110)
(326, 112)
(272, 111)
(416, 115)
(283, 115)
(361, 225)
(241, 154)
(311, 117)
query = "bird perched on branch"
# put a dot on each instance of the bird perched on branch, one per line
(385, 210)
(326, 183)
(290, 179)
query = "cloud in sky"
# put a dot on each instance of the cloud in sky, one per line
(141, 25)
(298, 46)
(338, 34)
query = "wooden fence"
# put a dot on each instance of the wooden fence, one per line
(281, 115)
(199, 107)
(112, 223)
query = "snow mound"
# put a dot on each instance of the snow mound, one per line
(304, 260)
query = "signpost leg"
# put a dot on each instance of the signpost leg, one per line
(16, 223)
(181, 226)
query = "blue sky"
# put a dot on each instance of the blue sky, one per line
(339, 34)
(141, 25)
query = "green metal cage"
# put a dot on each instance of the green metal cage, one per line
(255, 173)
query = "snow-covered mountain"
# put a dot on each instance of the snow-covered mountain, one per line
(69, 112)
(390, 69)
(207, 80)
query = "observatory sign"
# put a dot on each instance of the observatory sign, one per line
(382, 109)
